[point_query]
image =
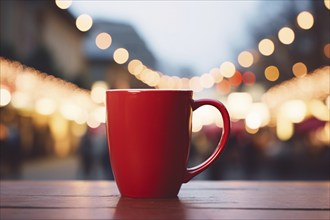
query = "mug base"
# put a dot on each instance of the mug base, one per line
(135, 196)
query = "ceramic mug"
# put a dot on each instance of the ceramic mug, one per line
(148, 134)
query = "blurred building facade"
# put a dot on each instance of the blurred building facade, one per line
(46, 38)
(40, 35)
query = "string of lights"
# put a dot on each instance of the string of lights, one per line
(28, 89)
(283, 105)
(223, 77)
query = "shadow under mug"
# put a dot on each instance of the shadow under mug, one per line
(149, 134)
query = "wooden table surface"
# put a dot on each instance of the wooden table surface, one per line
(196, 200)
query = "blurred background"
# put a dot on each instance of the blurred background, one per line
(267, 61)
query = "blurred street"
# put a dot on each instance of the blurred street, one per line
(58, 58)
(52, 169)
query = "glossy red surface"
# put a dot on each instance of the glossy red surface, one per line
(149, 136)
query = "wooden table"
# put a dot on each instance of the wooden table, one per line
(196, 200)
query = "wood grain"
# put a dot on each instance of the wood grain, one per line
(196, 200)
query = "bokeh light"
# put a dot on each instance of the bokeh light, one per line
(299, 69)
(322, 134)
(326, 50)
(238, 104)
(162, 82)
(26, 82)
(197, 123)
(272, 73)
(305, 20)
(253, 120)
(166, 82)
(224, 87)
(185, 83)
(150, 77)
(21, 100)
(45, 106)
(92, 122)
(84, 22)
(327, 102)
(207, 80)
(205, 115)
(195, 84)
(60, 129)
(236, 79)
(327, 4)
(120, 55)
(216, 74)
(249, 78)
(284, 129)
(261, 109)
(5, 97)
(266, 47)
(251, 130)
(70, 110)
(227, 69)
(132, 65)
(99, 114)
(98, 91)
(293, 110)
(103, 40)
(63, 4)
(286, 35)
(245, 59)
(319, 110)
(135, 67)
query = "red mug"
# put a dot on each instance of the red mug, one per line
(149, 135)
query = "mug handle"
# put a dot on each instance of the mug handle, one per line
(191, 172)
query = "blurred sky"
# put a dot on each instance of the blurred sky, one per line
(196, 34)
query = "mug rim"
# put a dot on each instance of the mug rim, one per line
(147, 90)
